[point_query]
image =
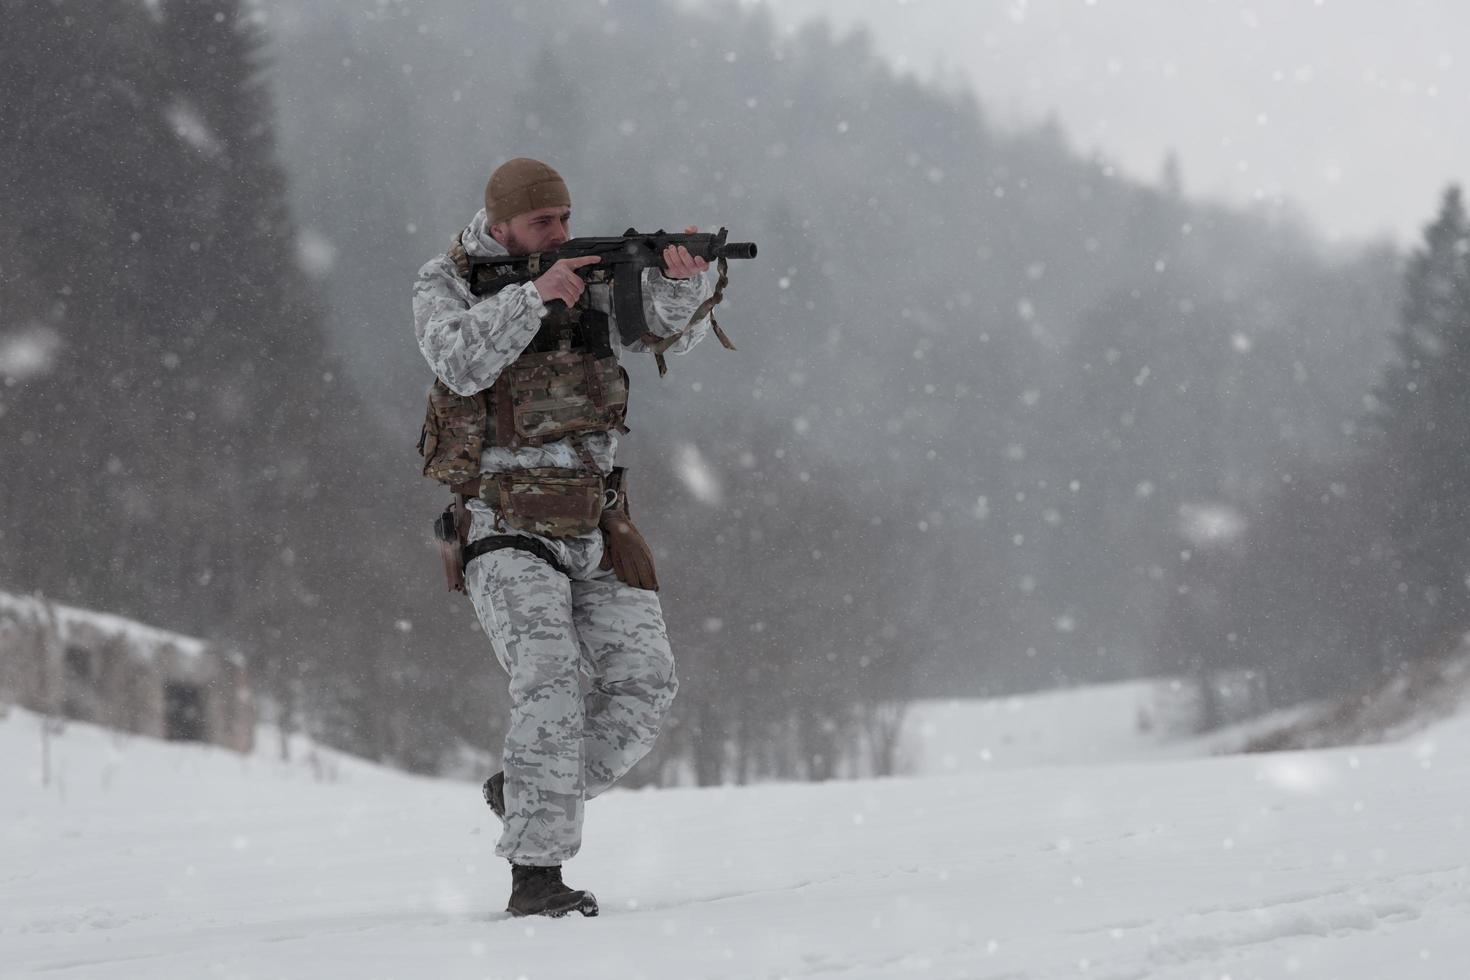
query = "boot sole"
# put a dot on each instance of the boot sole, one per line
(587, 905)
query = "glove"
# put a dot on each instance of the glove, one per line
(626, 553)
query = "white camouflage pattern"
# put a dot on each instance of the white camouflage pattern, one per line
(549, 631)
(564, 747)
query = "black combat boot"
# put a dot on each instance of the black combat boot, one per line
(540, 891)
(495, 794)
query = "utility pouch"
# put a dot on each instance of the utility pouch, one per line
(548, 501)
(453, 434)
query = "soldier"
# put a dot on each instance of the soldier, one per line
(558, 587)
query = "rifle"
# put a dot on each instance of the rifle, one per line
(623, 261)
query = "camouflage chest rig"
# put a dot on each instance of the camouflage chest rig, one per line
(566, 384)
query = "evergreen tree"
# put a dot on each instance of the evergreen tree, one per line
(182, 423)
(1421, 422)
(79, 169)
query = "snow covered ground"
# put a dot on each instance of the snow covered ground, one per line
(1125, 721)
(150, 860)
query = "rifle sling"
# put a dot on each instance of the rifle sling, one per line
(659, 344)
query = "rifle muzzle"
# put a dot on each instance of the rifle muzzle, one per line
(736, 250)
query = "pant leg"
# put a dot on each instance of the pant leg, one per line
(631, 671)
(525, 607)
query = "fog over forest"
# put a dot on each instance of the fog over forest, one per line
(1000, 417)
(1342, 111)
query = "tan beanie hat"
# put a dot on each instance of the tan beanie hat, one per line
(522, 185)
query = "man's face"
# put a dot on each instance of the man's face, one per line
(534, 231)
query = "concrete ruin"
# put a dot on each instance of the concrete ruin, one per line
(110, 671)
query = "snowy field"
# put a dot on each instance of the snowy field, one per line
(1121, 722)
(150, 860)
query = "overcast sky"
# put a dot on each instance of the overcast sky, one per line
(1354, 111)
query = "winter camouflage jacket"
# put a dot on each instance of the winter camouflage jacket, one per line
(468, 341)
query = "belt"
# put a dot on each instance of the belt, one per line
(499, 542)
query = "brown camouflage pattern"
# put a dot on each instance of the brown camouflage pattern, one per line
(560, 392)
(554, 503)
(453, 435)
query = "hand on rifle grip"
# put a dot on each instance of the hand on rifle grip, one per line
(561, 281)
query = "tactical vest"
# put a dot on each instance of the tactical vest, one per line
(567, 383)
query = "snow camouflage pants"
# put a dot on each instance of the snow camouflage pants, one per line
(564, 747)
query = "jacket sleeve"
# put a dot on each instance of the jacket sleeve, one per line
(669, 303)
(469, 341)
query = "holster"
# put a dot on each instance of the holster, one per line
(452, 530)
(624, 549)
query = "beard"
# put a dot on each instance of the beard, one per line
(514, 245)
